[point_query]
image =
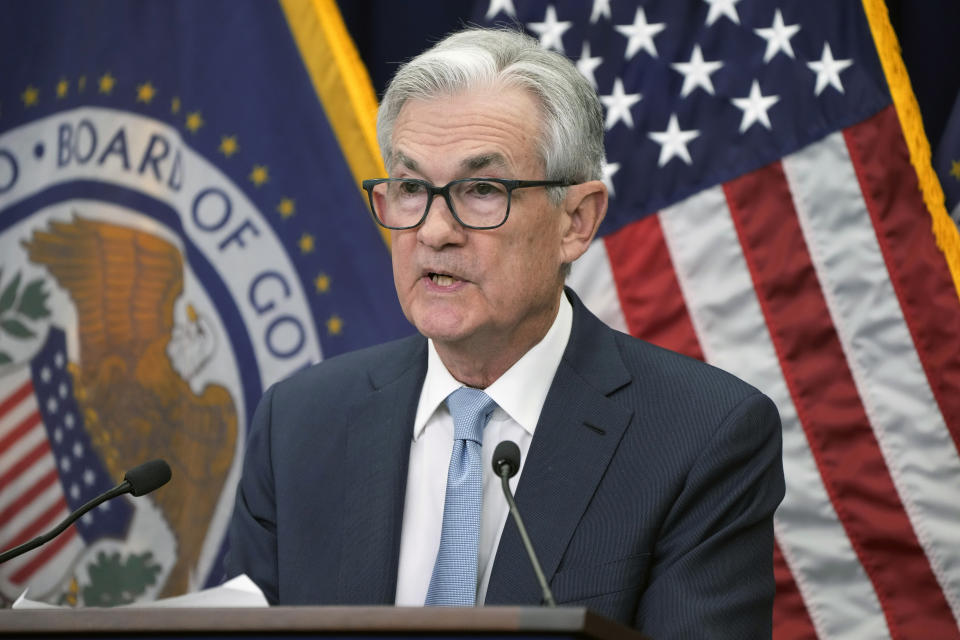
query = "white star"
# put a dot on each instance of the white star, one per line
(641, 34)
(59, 360)
(88, 477)
(52, 405)
(722, 8)
(587, 65)
(77, 449)
(496, 6)
(673, 142)
(68, 420)
(65, 464)
(755, 107)
(45, 374)
(609, 170)
(88, 517)
(778, 37)
(618, 105)
(75, 491)
(104, 506)
(550, 30)
(696, 73)
(828, 70)
(601, 8)
(62, 390)
(57, 435)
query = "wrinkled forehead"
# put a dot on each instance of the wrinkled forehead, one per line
(480, 129)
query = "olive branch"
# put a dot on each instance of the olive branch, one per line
(115, 580)
(20, 309)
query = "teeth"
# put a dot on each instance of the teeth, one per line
(441, 280)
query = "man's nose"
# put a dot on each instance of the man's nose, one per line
(440, 227)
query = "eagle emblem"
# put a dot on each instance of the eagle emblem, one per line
(136, 401)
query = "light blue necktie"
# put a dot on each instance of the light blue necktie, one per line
(454, 580)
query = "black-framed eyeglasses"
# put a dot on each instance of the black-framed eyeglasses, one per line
(476, 203)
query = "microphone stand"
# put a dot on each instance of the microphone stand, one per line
(504, 473)
(139, 481)
(120, 489)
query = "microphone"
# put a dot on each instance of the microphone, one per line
(146, 477)
(139, 481)
(506, 464)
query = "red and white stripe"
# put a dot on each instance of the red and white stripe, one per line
(31, 496)
(817, 279)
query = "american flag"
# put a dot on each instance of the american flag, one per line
(765, 217)
(48, 468)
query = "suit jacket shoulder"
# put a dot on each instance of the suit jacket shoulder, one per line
(612, 361)
(355, 372)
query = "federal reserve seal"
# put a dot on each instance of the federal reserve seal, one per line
(145, 302)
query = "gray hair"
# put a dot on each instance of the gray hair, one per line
(571, 139)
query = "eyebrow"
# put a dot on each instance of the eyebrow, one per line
(406, 161)
(483, 161)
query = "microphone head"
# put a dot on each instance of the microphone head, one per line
(148, 476)
(507, 454)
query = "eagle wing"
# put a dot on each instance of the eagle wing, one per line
(123, 283)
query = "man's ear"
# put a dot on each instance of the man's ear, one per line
(585, 206)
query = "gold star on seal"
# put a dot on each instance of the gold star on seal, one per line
(306, 243)
(194, 121)
(62, 88)
(334, 325)
(30, 96)
(107, 82)
(228, 145)
(286, 208)
(322, 283)
(955, 170)
(145, 92)
(259, 175)
(175, 106)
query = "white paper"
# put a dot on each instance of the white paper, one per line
(238, 592)
(22, 603)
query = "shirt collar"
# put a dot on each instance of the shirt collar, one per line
(521, 391)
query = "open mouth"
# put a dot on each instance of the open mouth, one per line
(442, 279)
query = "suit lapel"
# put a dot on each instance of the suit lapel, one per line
(379, 432)
(578, 431)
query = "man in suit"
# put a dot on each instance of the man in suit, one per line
(649, 480)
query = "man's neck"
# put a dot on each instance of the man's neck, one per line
(478, 361)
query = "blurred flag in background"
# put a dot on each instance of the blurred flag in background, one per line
(947, 162)
(180, 227)
(927, 33)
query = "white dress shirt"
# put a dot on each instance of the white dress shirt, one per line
(520, 394)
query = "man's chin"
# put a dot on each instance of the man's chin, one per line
(443, 334)
(443, 325)
(441, 320)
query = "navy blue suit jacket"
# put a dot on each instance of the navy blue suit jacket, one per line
(648, 491)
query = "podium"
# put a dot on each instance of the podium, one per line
(355, 623)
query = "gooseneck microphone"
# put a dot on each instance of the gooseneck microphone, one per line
(506, 463)
(139, 481)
